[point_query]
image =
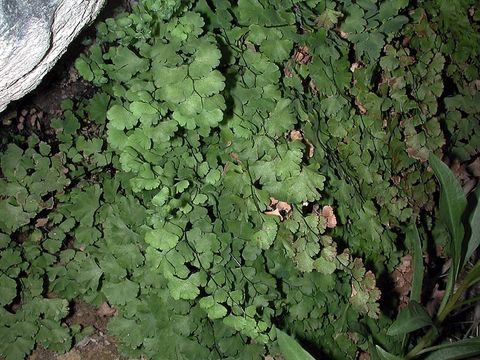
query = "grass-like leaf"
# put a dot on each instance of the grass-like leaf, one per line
(290, 348)
(473, 275)
(452, 206)
(474, 239)
(413, 239)
(385, 355)
(412, 318)
(463, 349)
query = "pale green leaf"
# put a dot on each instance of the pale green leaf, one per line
(120, 293)
(161, 239)
(265, 237)
(211, 84)
(120, 118)
(183, 289)
(217, 311)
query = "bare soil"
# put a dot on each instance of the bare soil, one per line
(97, 346)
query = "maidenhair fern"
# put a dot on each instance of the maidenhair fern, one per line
(236, 162)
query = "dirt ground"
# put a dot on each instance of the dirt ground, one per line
(97, 346)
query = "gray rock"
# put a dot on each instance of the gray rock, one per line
(34, 34)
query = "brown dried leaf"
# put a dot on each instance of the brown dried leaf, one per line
(250, 46)
(363, 110)
(106, 310)
(354, 66)
(41, 222)
(275, 212)
(462, 173)
(278, 208)
(402, 278)
(284, 206)
(302, 55)
(296, 135)
(287, 73)
(226, 167)
(235, 157)
(313, 87)
(331, 222)
(354, 291)
(420, 155)
(327, 213)
(273, 201)
(396, 179)
(311, 148)
(364, 356)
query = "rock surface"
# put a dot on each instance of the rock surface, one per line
(34, 34)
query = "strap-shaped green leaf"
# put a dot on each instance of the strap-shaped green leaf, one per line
(452, 206)
(413, 239)
(385, 355)
(464, 349)
(290, 348)
(474, 239)
(412, 318)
